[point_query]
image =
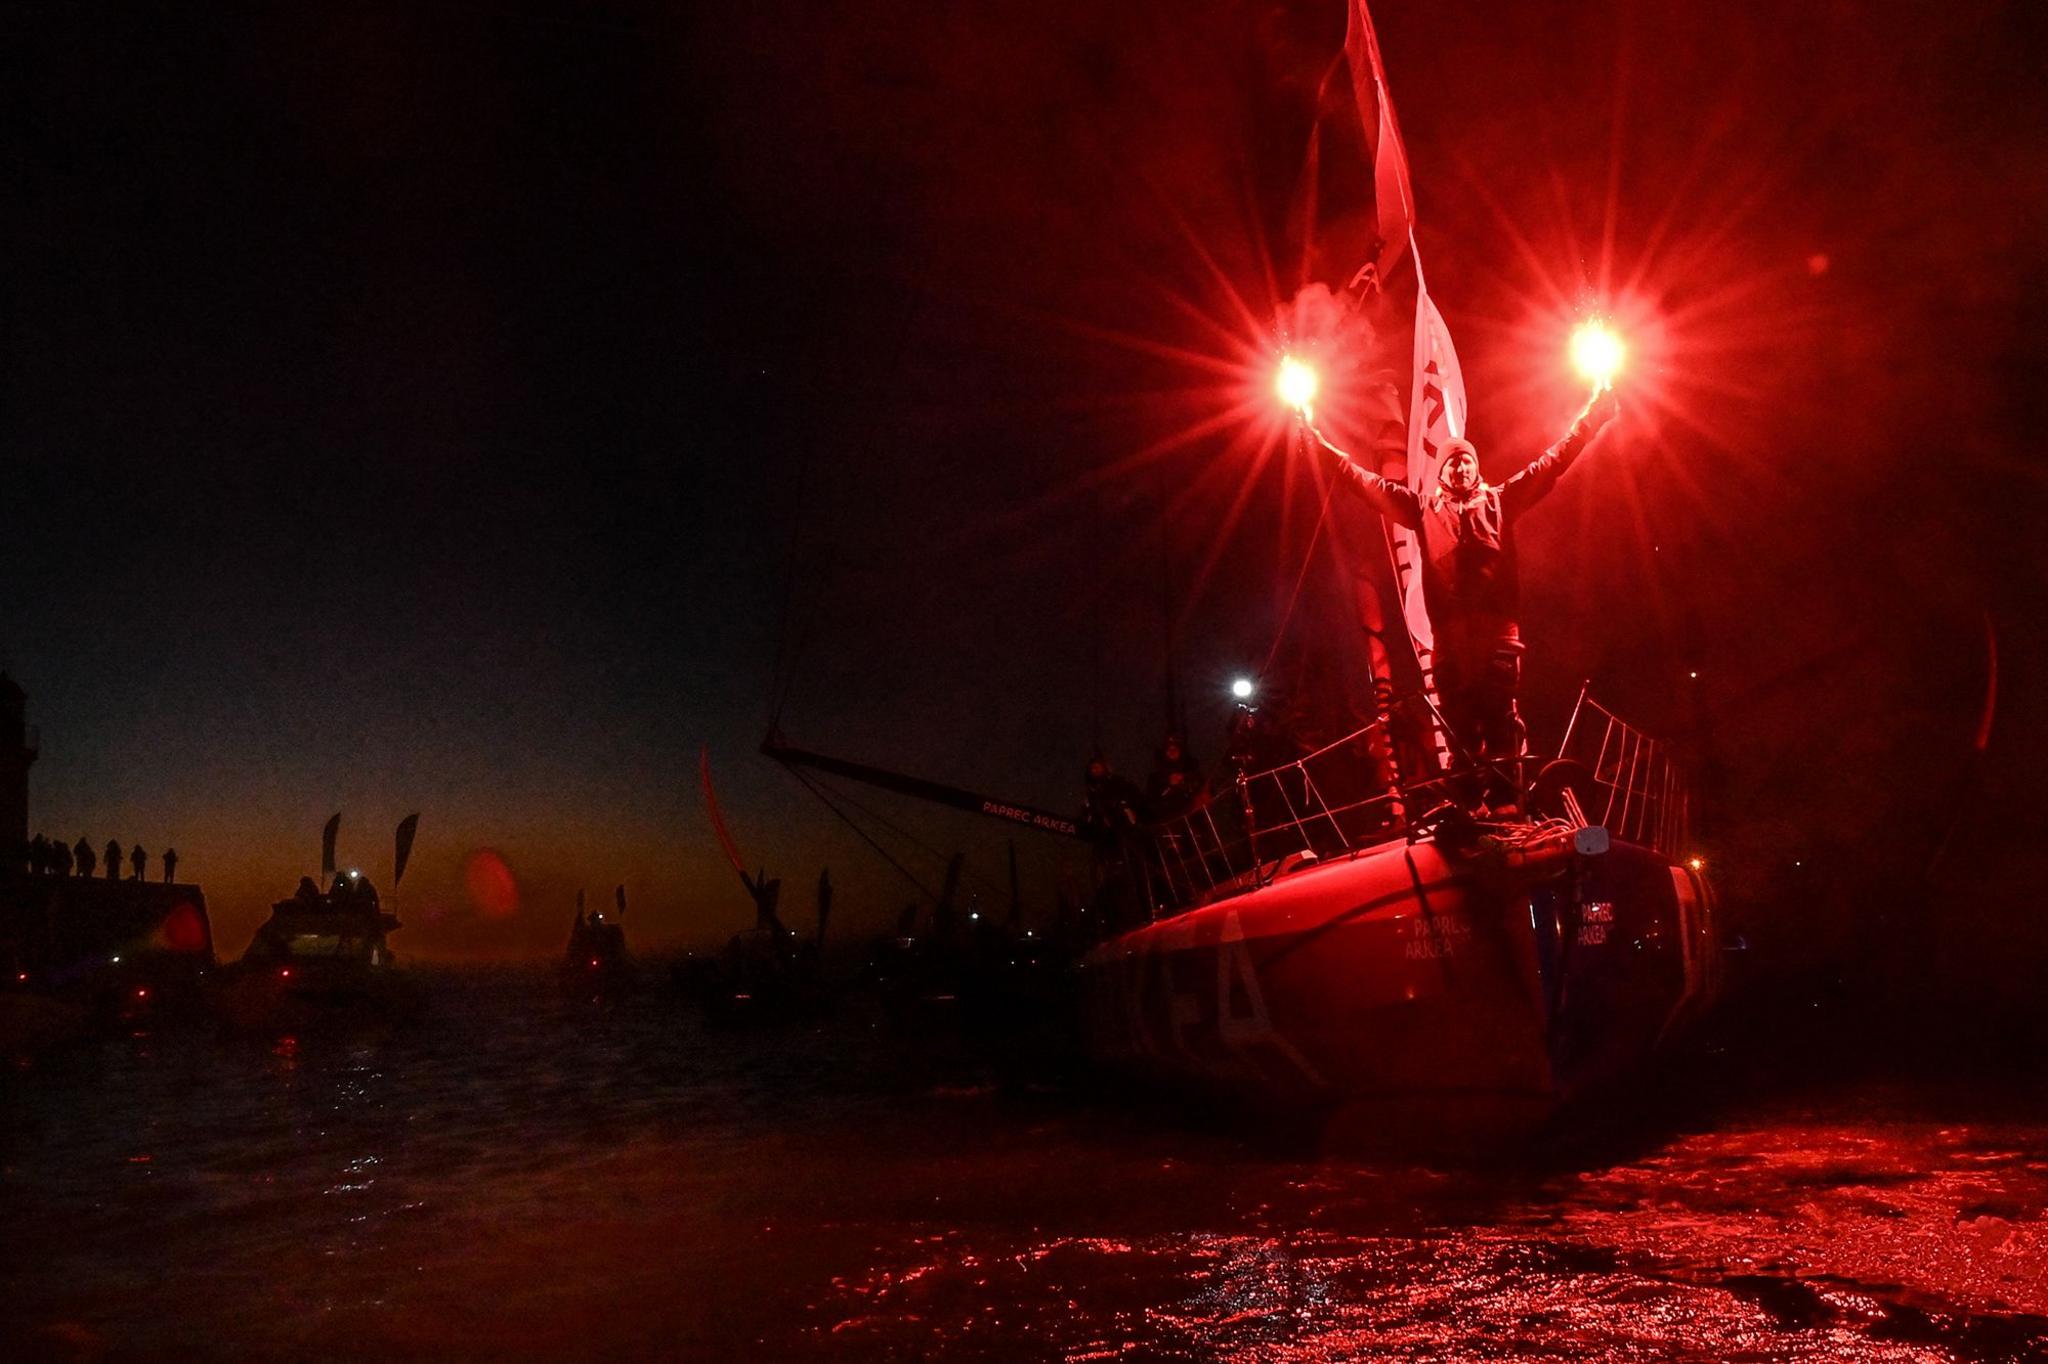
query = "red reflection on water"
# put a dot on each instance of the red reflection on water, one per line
(492, 887)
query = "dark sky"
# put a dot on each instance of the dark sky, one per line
(459, 407)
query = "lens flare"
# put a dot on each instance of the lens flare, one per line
(1597, 353)
(492, 887)
(1296, 383)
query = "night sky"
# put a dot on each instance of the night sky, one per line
(475, 408)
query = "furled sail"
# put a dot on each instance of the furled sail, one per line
(1390, 284)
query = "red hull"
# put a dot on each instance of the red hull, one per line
(1403, 979)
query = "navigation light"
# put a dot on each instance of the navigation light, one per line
(1242, 689)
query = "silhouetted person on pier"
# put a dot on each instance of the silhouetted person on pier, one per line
(88, 860)
(113, 859)
(60, 857)
(139, 860)
(39, 856)
(1469, 581)
(170, 861)
(308, 893)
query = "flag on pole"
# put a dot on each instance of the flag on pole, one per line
(402, 847)
(1436, 386)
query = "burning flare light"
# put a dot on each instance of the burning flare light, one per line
(1597, 353)
(1296, 384)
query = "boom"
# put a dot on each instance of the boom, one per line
(1009, 811)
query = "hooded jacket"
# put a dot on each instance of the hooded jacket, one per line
(1469, 579)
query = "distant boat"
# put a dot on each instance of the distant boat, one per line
(767, 973)
(319, 956)
(596, 962)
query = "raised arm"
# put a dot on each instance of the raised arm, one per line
(1527, 488)
(1395, 501)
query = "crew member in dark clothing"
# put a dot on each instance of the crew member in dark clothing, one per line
(1112, 808)
(170, 860)
(39, 856)
(1176, 779)
(1469, 583)
(60, 857)
(88, 860)
(113, 859)
(139, 860)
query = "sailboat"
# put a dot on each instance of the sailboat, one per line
(1449, 971)
(1389, 924)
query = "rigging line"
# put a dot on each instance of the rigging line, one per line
(862, 834)
(1287, 619)
(991, 887)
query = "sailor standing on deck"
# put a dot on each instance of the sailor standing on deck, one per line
(1469, 582)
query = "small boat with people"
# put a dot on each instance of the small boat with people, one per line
(319, 955)
(324, 955)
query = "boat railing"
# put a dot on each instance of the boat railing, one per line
(1642, 795)
(1334, 802)
(1322, 804)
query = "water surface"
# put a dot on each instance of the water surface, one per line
(517, 1175)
